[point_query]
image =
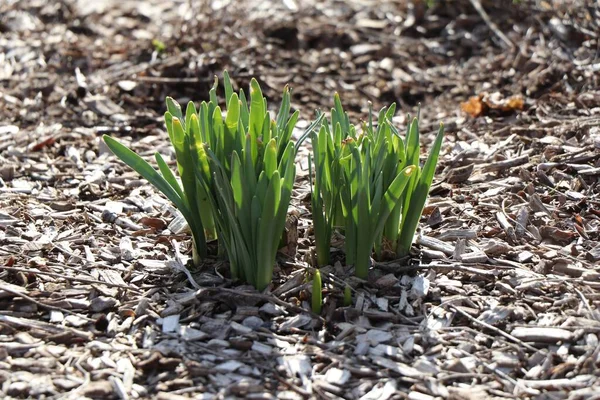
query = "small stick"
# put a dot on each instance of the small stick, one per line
(70, 278)
(40, 304)
(493, 328)
(486, 18)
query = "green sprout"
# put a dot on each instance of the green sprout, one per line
(317, 293)
(347, 296)
(159, 46)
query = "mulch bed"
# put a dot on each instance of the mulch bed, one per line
(499, 298)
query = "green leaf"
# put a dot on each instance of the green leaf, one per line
(315, 124)
(257, 110)
(174, 108)
(317, 293)
(419, 197)
(189, 111)
(265, 251)
(287, 183)
(270, 162)
(212, 93)
(168, 174)
(392, 195)
(363, 206)
(244, 111)
(284, 109)
(168, 124)
(142, 167)
(228, 87)
(242, 198)
(413, 148)
(347, 296)
(233, 113)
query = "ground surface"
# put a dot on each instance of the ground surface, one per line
(500, 298)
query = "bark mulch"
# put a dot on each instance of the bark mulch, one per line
(499, 298)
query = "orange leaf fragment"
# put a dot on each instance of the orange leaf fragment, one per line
(474, 106)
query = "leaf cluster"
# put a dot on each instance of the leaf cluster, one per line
(374, 178)
(236, 169)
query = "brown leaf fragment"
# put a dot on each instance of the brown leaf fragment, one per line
(386, 281)
(289, 241)
(62, 205)
(474, 106)
(43, 142)
(558, 235)
(197, 369)
(10, 261)
(157, 362)
(581, 231)
(460, 174)
(156, 223)
(435, 217)
(101, 323)
(514, 103)
(98, 390)
(240, 344)
(479, 105)
(168, 363)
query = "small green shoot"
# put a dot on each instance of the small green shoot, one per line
(159, 46)
(317, 293)
(347, 296)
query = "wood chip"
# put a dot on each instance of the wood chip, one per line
(542, 334)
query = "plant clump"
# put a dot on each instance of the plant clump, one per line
(370, 185)
(236, 169)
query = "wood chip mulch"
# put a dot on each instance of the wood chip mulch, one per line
(499, 299)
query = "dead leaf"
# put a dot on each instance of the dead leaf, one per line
(479, 105)
(156, 223)
(474, 106)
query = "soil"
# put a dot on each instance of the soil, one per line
(499, 298)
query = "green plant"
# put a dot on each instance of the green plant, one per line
(247, 167)
(158, 45)
(401, 226)
(365, 201)
(237, 171)
(317, 293)
(371, 181)
(250, 181)
(325, 188)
